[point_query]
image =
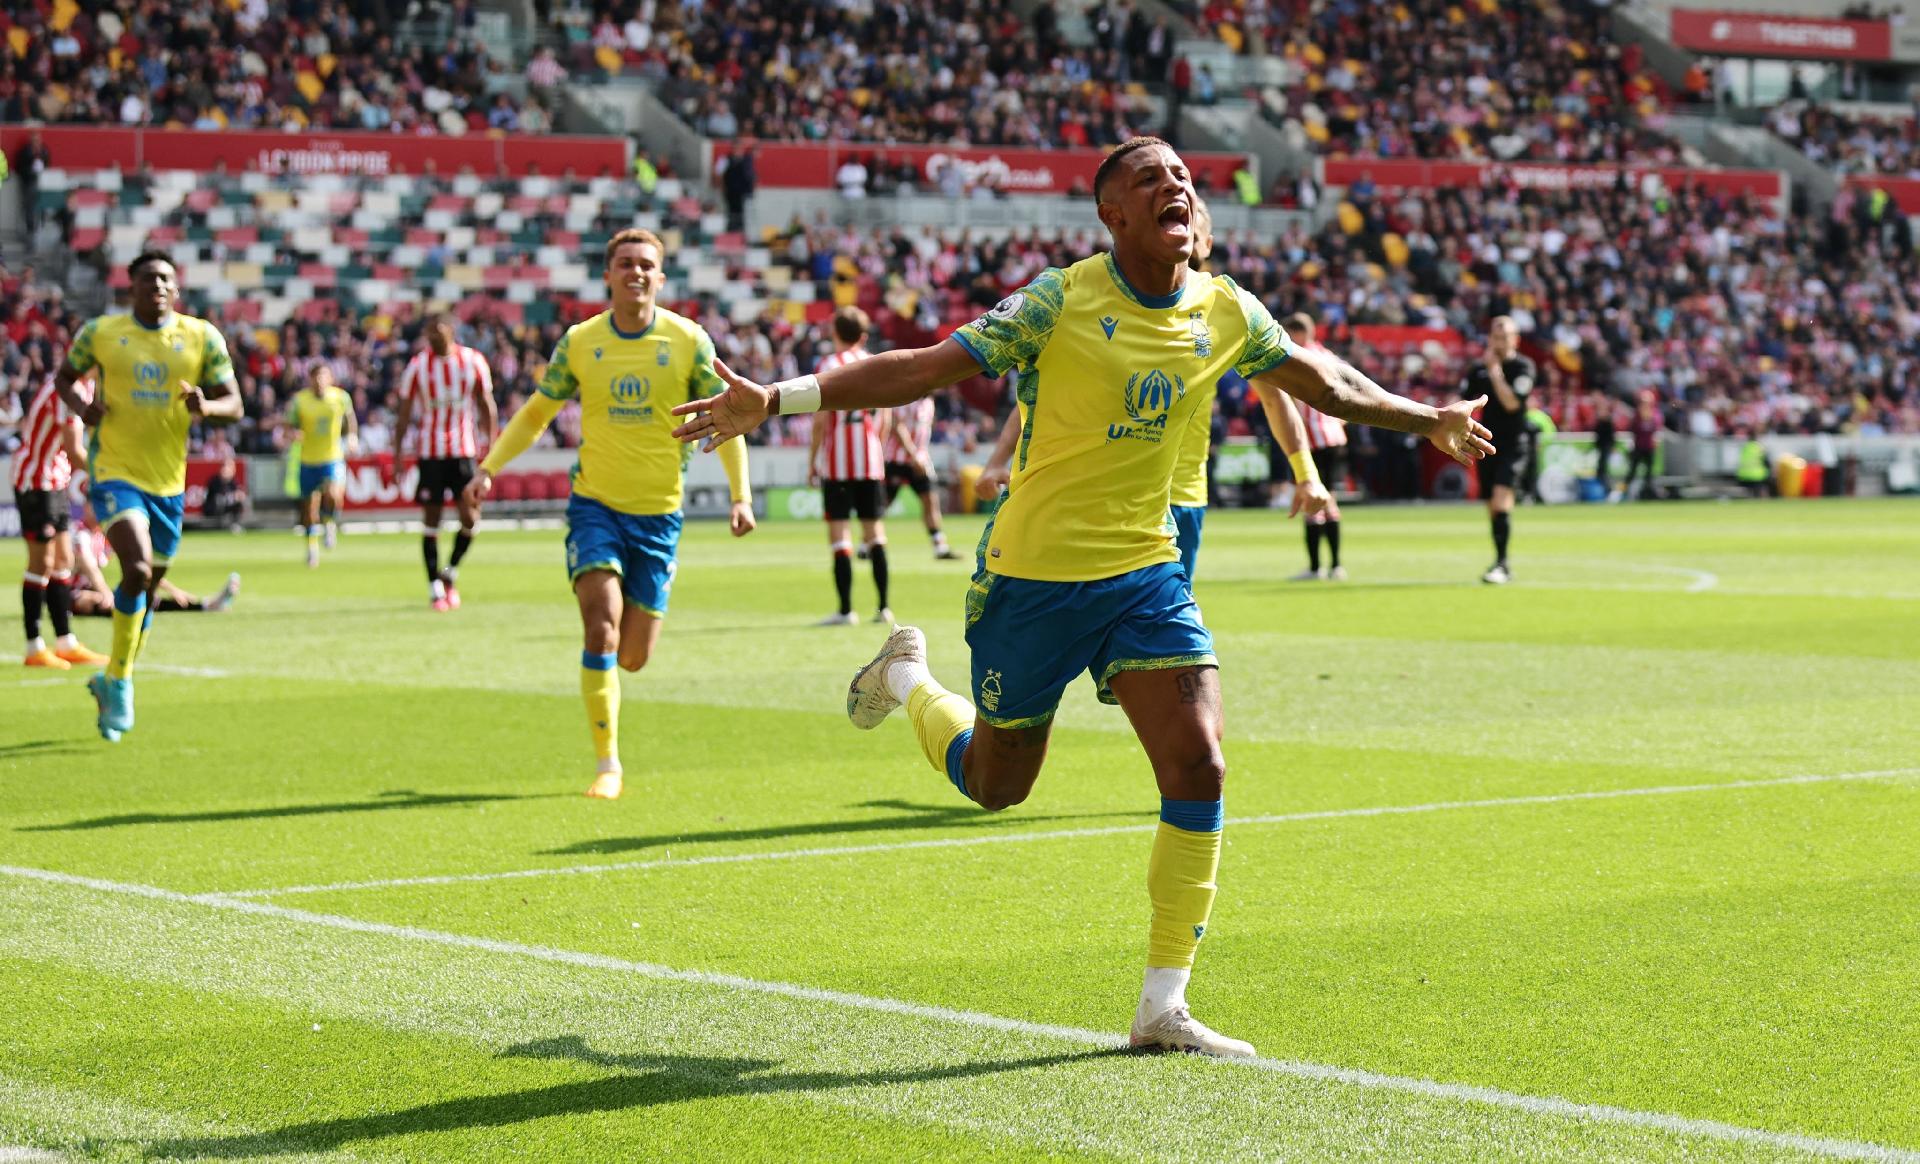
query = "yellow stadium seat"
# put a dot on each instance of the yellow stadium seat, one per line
(1376, 272)
(327, 64)
(794, 313)
(1351, 220)
(1232, 37)
(274, 201)
(846, 293)
(1316, 131)
(268, 338)
(17, 39)
(1396, 249)
(310, 86)
(607, 59)
(63, 13)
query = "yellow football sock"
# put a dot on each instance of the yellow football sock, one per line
(1180, 881)
(144, 633)
(127, 619)
(600, 687)
(941, 719)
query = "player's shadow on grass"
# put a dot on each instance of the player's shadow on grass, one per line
(384, 802)
(641, 1080)
(918, 816)
(34, 749)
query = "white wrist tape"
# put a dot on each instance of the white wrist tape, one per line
(799, 395)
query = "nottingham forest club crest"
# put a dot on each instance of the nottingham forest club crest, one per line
(1149, 397)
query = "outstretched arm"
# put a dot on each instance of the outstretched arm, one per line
(883, 381)
(1310, 494)
(1337, 388)
(524, 429)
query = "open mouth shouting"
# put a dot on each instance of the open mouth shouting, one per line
(1176, 220)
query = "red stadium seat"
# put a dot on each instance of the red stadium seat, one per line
(85, 238)
(510, 487)
(237, 236)
(559, 484)
(319, 274)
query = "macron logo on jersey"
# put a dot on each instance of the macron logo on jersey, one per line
(1107, 324)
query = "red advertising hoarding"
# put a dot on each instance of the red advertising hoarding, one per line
(1760, 34)
(378, 482)
(1393, 174)
(372, 154)
(812, 166)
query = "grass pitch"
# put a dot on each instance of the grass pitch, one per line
(1616, 863)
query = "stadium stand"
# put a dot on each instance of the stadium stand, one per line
(1850, 143)
(1738, 314)
(1725, 306)
(248, 65)
(943, 71)
(1432, 79)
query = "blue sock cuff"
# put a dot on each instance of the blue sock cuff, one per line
(1194, 816)
(956, 766)
(129, 604)
(593, 662)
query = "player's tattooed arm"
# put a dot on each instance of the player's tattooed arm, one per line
(1337, 388)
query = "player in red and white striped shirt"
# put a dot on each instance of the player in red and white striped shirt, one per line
(42, 469)
(848, 463)
(1327, 439)
(446, 386)
(909, 456)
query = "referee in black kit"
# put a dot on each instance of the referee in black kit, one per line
(1505, 378)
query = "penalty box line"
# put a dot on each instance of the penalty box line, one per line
(1549, 1106)
(1058, 834)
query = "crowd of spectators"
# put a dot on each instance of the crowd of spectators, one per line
(1435, 79)
(1850, 143)
(322, 64)
(970, 72)
(1734, 313)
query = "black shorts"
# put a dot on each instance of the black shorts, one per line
(44, 513)
(440, 476)
(842, 499)
(908, 475)
(1332, 464)
(1499, 469)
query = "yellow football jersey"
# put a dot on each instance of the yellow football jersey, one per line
(1109, 383)
(142, 438)
(627, 386)
(322, 420)
(1190, 471)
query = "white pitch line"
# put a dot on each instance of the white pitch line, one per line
(1488, 1096)
(1058, 834)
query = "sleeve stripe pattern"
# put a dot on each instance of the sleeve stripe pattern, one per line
(40, 463)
